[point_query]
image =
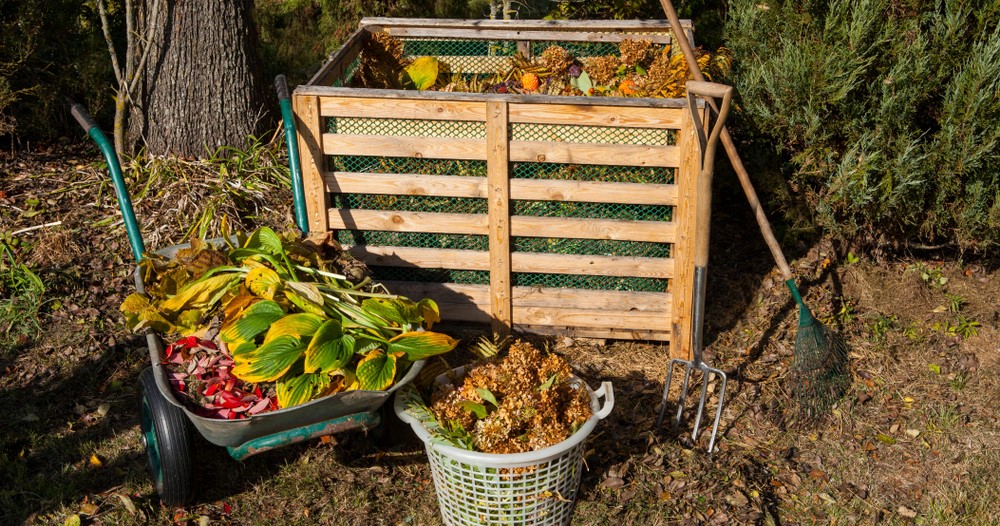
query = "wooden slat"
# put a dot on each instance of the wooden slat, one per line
(521, 189)
(457, 294)
(498, 183)
(500, 34)
(339, 60)
(604, 333)
(429, 147)
(405, 184)
(521, 226)
(408, 221)
(380, 107)
(526, 24)
(580, 115)
(458, 259)
(317, 200)
(392, 95)
(594, 192)
(579, 228)
(600, 154)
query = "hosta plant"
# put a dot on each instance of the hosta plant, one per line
(299, 313)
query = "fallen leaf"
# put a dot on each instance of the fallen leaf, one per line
(885, 439)
(95, 462)
(103, 409)
(72, 520)
(939, 308)
(913, 433)
(88, 508)
(827, 498)
(906, 512)
(613, 483)
(127, 502)
(934, 368)
(908, 399)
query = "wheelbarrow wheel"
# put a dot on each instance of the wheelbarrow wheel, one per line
(167, 438)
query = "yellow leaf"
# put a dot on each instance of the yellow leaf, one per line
(72, 520)
(263, 282)
(95, 462)
(88, 508)
(423, 72)
(199, 293)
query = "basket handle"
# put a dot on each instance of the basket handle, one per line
(606, 392)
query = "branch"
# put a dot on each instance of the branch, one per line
(130, 88)
(107, 37)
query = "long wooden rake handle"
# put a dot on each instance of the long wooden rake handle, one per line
(727, 143)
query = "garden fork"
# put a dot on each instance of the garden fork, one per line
(707, 147)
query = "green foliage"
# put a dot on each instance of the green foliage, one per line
(21, 293)
(50, 48)
(885, 110)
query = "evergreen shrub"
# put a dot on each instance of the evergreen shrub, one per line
(885, 112)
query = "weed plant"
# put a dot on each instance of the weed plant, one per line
(21, 296)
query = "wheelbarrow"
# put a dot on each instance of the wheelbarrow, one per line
(166, 424)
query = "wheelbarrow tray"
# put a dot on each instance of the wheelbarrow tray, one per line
(234, 433)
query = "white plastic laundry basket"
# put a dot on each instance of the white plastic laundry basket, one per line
(536, 488)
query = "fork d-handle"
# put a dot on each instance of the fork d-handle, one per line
(291, 139)
(117, 179)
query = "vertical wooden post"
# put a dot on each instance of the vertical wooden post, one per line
(312, 161)
(498, 181)
(685, 217)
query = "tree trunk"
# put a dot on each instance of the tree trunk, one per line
(201, 85)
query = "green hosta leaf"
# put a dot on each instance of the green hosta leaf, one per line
(201, 293)
(306, 296)
(423, 72)
(263, 282)
(485, 394)
(301, 325)
(242, 348)
(582, 83)
(256, 319)
(301, 389)
(391, 311)
(330, 349)
(418, 345)
(478, 409)
(265, 240)
(377, 370)
(270, 361)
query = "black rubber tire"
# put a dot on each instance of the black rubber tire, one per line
(166, 431)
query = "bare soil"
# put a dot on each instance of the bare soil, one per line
(914, 441)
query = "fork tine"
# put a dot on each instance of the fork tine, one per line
(701, 403)
(680, 403)
(718, 411)
(666, 394)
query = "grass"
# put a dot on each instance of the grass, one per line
(21, 297)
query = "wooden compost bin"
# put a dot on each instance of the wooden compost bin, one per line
(570, 215)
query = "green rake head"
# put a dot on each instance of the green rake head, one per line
(820, 371)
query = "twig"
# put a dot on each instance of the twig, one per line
(36, 227)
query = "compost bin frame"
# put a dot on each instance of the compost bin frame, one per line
(577, 312)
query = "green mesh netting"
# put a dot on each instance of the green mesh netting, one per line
(407, 127)
(520, 131)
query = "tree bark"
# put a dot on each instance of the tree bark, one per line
(200, 87)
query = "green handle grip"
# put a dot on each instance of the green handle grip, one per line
(291, 139)
(117, 179)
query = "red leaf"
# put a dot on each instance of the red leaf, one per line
(212, 389)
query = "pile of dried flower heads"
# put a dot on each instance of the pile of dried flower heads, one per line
(523, 402)
(639, 68)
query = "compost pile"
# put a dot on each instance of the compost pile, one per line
(639, 69)
(524, 402)
(271, 321)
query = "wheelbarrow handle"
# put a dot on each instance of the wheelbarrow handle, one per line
(117, 179)
(82, 117)
(292, 141)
